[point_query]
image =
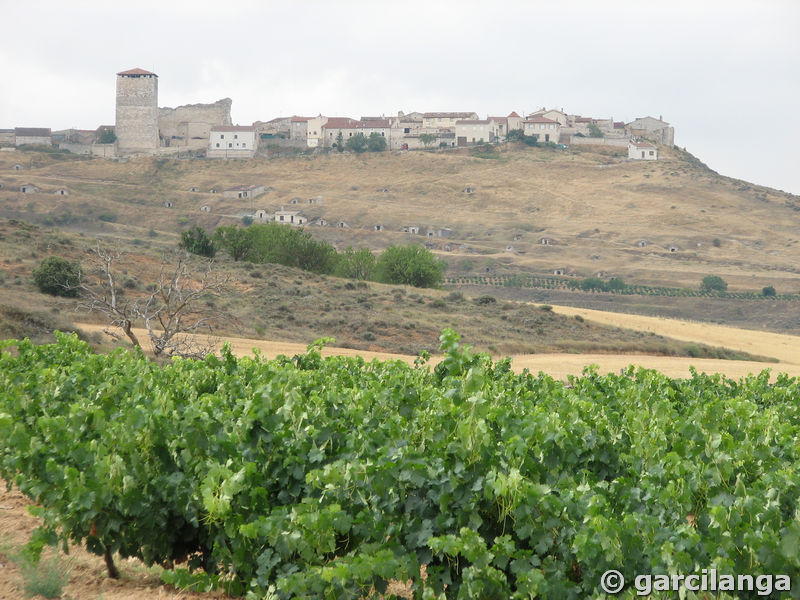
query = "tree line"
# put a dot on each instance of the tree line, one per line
(274, 243)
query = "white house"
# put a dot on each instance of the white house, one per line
(475, 131)
(290, 217)
(657, 130)
(542, 128)
(642, 151)
(232, 141)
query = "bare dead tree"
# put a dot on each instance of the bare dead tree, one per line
(177, 310)
(101, 293)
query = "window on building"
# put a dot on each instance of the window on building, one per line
(217, 144)
(222, 136)
(407, 130)
(651, 153)
(230, 145)
(235, 136)
(244, 145)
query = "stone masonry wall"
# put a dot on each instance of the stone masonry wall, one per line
(189, 125)
(137, 113)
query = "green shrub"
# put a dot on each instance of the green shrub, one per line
(485, 300)
(58, 277)
(47, 577)
(713, 283)
(196, 241)
(768, 291)
(409, 265)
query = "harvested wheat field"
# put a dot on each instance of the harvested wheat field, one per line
(560, 365)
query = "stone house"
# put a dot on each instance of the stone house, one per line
(437, 120)
(232, 141)
(244, 191)
(290, 217)
(28, 188)
(474, 131)
(350, 127)
(506, 124)
(314, 131)
(554, 115)
(61, 192)
(542, 128)
(642, 151)
(6, 137)
(650, 128)
(33, 136)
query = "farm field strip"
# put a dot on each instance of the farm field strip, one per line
(558, 365)
(786, 348)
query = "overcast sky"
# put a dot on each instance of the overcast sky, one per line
(725, 74)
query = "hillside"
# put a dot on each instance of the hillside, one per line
(592, 206)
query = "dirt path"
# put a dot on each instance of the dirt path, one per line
(562, 365)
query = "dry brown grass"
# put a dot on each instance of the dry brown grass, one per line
(594, 205)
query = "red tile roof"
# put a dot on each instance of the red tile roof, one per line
(619, 124)
(473, 122)
(498, 119)
(136, 71)
(300, 119)
(339, 123)
(514, 114)
(374, 124)
(233, 128)
(583, 119)
(539, 120)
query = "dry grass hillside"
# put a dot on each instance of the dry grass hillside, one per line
(593, 205)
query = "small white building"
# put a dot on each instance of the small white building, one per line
(28, 188)
(61, 192)
(642, 151)
(290, 217)
(232, 141)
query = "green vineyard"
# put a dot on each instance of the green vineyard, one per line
(311, 477)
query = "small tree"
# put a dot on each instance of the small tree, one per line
(356, 264)
(410, 265)
(357, 143)
(713, 283)
(594, 131)
(58, 277)
(376, 142)
(768, 291)
(234, 240)
(196, 241)
(427, 139)
(340, 142)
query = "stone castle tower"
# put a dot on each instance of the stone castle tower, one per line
(137, 111)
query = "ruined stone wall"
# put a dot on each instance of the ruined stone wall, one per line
(137, 113)
(190, 125)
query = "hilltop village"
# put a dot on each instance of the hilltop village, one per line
(142, 128)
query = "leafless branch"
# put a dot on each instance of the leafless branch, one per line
(175, 312)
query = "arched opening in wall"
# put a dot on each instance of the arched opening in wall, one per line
(642, 243)
(205, 208)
